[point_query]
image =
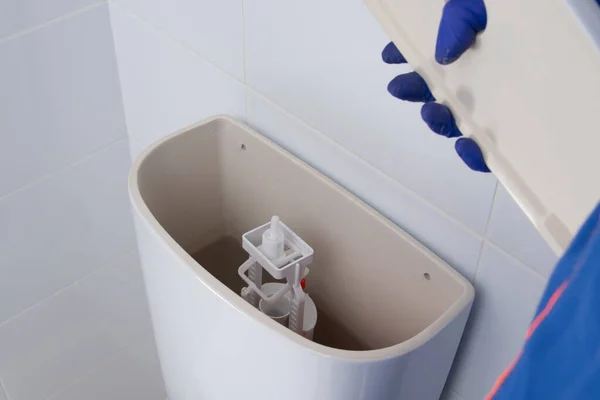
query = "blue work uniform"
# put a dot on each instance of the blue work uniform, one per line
(561, 357)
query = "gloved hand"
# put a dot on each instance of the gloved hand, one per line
(461, 21)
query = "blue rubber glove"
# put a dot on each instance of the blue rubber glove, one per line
(461, 21)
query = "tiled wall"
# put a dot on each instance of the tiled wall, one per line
(308, 75)
(74, 322)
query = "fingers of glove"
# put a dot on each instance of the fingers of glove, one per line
(461, 21)
(410, 87)
(439, 118)
(391, 54)
(471, 154)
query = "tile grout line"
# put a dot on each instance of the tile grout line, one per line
(50, 21)
(14, 317)
(93, 370)
(456, 394)
(3, 389)
(245, 64)
(70, 285)
(176, 41)
(486, 232)
(60, 169)
(518, 261)
(117, 67)
(487, 241)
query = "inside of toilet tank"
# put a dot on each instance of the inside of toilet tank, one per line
(222, 258)
(371, 281)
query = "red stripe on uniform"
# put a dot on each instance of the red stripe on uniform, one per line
(532, 328)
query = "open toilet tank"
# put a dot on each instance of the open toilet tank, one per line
(391, 314)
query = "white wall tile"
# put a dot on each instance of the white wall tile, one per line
(135, 149)
(60, 97)
(166, 87)
(18, 15)
(511, 230)
(65, 337)
(133, 375)
(506, 296)
(446, 238)
(321, 61)
(210, 28)
(60, 229)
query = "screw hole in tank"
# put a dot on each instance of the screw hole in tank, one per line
(427, 276)
(242, 147)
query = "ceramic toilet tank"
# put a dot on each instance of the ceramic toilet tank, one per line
(390, 313)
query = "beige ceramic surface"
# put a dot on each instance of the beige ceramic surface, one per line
(365, 267)
(218, 179)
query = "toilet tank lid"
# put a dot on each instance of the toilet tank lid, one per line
(526, 93)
